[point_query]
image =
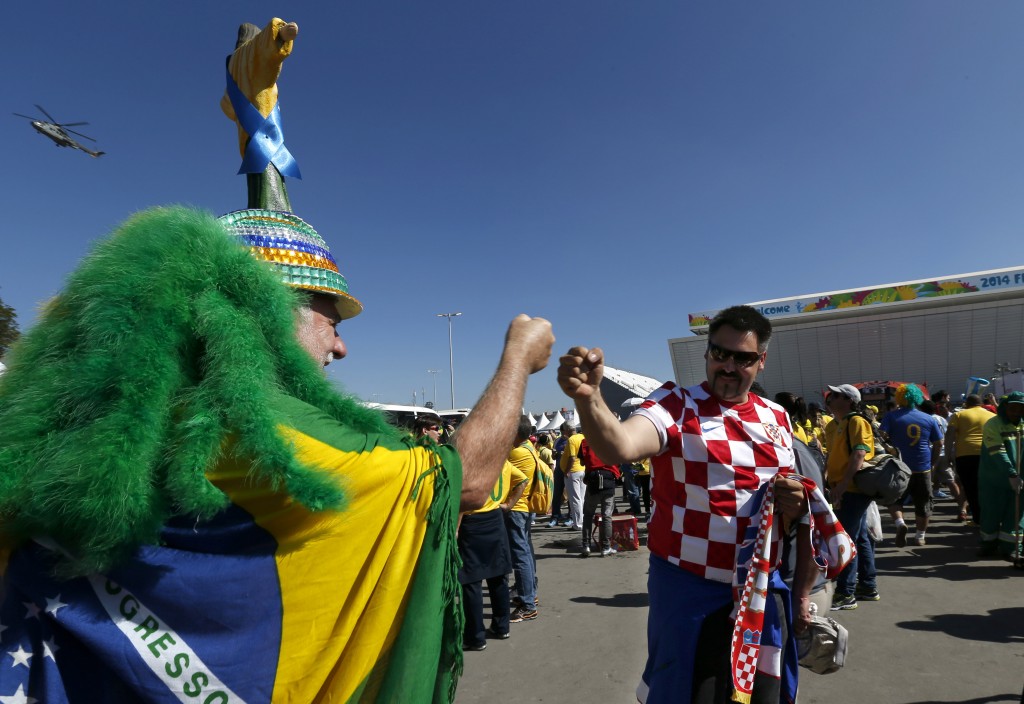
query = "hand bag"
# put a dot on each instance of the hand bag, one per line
(822, 647)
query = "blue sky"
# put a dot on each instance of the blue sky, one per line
(608, 165)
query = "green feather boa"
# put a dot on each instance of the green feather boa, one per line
(168, 341)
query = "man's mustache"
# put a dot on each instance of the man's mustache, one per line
(727, 375)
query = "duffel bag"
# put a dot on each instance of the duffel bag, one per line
(885, 479)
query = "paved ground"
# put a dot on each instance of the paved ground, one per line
(949, 628)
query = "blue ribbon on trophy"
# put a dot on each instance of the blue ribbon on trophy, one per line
(266, 136)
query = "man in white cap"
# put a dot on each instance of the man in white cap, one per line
(850, 440)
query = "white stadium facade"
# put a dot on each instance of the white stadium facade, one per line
(939, 332)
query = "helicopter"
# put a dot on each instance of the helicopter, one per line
(57, 132)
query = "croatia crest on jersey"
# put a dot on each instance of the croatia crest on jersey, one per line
(775, 433)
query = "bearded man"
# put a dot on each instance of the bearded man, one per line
(722, 458)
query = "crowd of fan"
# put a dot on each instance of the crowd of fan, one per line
(941, 444)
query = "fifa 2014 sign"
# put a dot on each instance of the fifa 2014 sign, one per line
(963, 285)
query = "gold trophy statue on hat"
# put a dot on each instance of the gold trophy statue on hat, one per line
(268, 227)
(250, 100)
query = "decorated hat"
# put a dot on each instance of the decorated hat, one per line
(296, 251)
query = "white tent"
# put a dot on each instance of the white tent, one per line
(529, 417)
(555, 423)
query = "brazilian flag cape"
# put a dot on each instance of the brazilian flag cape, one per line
(268, 602)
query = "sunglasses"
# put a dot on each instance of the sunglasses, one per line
(742, 359)
(434, 427)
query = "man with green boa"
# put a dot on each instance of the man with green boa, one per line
(999, 481)
(191, 512)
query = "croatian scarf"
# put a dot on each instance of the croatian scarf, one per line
(753, 650)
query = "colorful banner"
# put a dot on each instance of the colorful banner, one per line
(981, 282)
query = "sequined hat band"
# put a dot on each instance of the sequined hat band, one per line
(295, 250)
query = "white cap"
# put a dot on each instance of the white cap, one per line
(848, 390)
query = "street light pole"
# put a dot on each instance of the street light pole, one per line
(451, 357)
(433, 373)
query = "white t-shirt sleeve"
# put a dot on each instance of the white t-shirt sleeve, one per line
(652, 410)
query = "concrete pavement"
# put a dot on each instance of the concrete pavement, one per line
(949, 628)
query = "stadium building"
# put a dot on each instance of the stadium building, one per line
(935, 332)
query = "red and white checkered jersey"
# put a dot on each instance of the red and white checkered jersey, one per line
(714, 456)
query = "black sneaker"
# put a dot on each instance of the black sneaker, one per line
(523, 614)
(844, 602)
(866, 595)
(585, 552)
(478, 647)
(901, 536)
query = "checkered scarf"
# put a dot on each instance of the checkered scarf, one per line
(832, 550)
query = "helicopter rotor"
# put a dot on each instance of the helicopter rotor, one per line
(84, 136)
(52, 121)
(41, 109)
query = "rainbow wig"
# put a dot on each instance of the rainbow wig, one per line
(909, 396)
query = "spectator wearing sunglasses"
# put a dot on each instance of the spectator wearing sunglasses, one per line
(429, 428)
(713, 447)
